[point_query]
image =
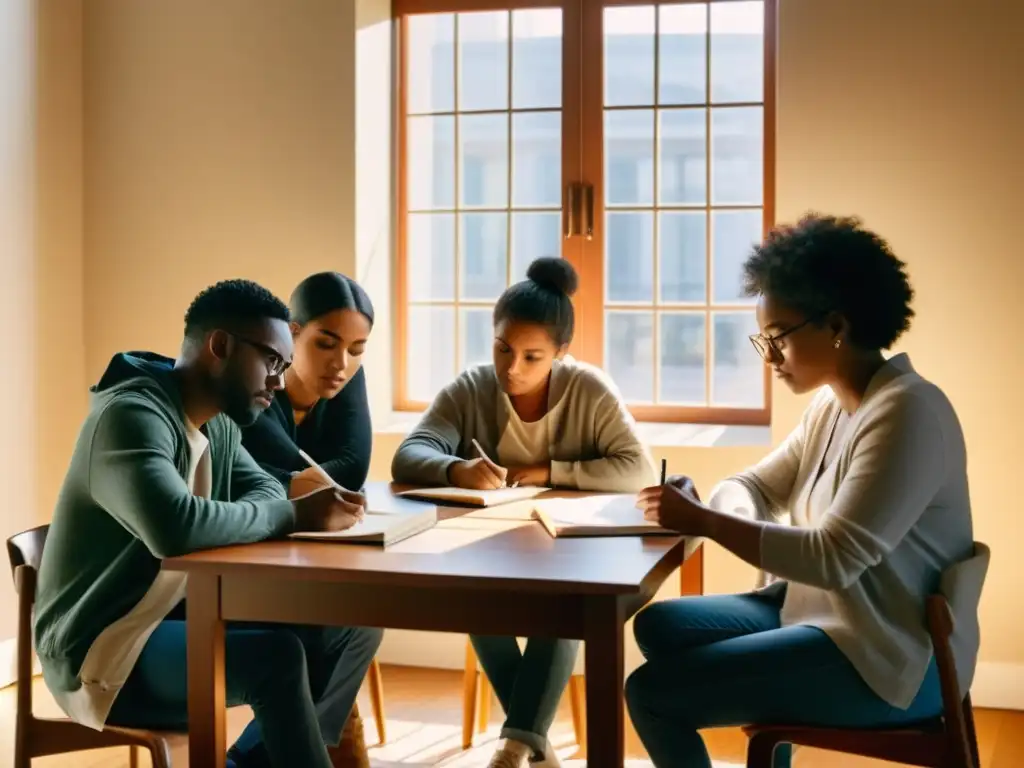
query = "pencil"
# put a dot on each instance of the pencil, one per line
(487, 458)
(320, 470)
(664, 467)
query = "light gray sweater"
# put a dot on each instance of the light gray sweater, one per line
(592, 437)
(872, 534)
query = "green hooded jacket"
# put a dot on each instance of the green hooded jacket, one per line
(125, 506)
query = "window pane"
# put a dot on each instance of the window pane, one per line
(431, 68)
(483, 242)
(629, 353)
(429, 351)
(737, 52)
(733, 236)
(477, 337)
(629, 157)
(682, 53)
(629, 56)
(431, 163)
(483, 61)
(682, 244)
(534, 235)
(537, 159)
(737, 378)
(683, 160)
(537, 58)
(629, 256)
(737, 164)
(430, 256)
(682, 358)
(483, 160)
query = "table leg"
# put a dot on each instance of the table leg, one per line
(206, 703)
(605, 672)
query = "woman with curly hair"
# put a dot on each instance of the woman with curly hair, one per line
(858, 512)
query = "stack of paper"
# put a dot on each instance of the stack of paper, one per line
(607, 515)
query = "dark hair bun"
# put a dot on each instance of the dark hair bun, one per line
(554, 274)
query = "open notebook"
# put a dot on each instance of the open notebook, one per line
(475, 498)
(607, 515)
(383, 528)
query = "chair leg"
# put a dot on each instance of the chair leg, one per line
(578, 703)
(761, 750)
(972, 734)
(377, 700)
(160, 753)
(484, 713)
(469, 695)
(133, 756)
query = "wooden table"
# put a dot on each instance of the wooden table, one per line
(471, 573)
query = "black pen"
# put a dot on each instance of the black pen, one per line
(664, 466)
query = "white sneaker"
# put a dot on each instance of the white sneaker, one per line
(549, 760)
(513, 754)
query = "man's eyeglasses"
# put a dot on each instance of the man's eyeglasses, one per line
(276, 365)
(766, 346)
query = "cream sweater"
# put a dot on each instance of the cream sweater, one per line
(591, 437)
(872, 534)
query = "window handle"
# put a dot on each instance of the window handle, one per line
(571, 212)
(587, 210)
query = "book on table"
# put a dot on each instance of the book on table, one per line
(598, 515)
(383, 528)
(475, 498)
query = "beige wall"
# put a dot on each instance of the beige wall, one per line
(219, 143)
(219, 140)
(41, 261)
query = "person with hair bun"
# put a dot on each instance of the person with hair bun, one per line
(541, 418)
(323, 410)
(856, 515)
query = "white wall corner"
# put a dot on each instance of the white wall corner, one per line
(374, 197)
(998, 685)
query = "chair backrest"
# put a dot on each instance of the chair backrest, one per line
(961, 585)
(26, 548)
(952, 616)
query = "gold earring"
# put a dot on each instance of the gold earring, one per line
(838, 342)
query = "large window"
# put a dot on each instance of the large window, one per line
(634, 139)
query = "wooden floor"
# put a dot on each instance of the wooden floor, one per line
(424, 713)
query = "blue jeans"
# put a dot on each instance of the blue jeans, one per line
(301, 683)
(529, 684)
(723, 660)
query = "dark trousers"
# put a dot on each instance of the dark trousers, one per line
(723, 660)
(301, 683)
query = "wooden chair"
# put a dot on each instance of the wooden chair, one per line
(376, 682)
(476, 688)
(39, 737)
(947, 741)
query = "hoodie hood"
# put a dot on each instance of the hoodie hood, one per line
(139, 371)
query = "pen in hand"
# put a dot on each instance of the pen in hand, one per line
(483, 455)
(344, 492)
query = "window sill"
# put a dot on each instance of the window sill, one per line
(653, 434)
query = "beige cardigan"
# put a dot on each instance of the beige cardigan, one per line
(592, 437)
(871, 537)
